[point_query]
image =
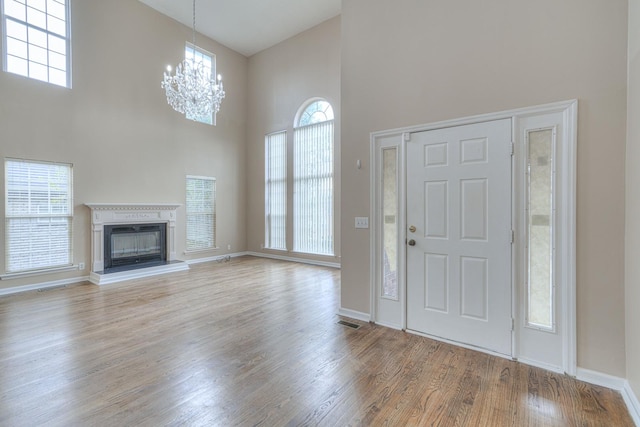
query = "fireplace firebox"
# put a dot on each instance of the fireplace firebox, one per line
(129, 246)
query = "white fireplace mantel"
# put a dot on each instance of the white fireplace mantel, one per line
(128, 213)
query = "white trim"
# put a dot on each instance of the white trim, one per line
(30, 273)
(215, 258)
(352, 314)
(121, 276)
(633, 404)
(294, 259)
(43, 285)
(388, 325)
(460, 344)
(541, 365)
(599, 378)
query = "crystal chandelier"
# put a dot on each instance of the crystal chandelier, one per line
(194, 90)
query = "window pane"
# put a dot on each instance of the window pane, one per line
(38, 72)
(37, 4)
(390, 223)
(38, 208)
(15, 9)
(38, 54)
(57, 26)
(17, 66)
(313, 189)
(201, 217)
(56, 10)
(16, 47)
(540, 219)
(16, 30)
(36, 18)
(276, 190)
(57, 61)
(56, 44)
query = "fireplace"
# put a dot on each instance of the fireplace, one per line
(132, 240)
(130, 246)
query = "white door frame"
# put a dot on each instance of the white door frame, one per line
(567, 226)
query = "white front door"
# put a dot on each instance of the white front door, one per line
(459, 234)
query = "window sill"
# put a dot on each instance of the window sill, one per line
(29, 273)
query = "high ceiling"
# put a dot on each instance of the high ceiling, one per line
(249, 26)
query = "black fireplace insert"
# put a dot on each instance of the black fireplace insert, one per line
(130, 246)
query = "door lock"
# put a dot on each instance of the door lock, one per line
(412, 229)
(412, 242)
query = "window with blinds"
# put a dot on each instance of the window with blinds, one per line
(36, 39)
(275, 193)
(201, 213)
(313, 180)
(38, 215)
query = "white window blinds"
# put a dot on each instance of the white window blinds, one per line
(39, 213)
(276, 190)
(201, 213)
(313, 189)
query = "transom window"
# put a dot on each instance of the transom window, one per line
(208, 60)
(36, 39)
(39, 214)
(313, 180)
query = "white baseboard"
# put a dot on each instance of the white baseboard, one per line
(545, 366)
(43, 285)
(633, 404)
(352, 314)
(121, 276)
(295, 259)
(216, 258)
(598, 378)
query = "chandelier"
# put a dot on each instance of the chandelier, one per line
(194, 90)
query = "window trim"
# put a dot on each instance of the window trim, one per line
(69, 216)
(214, 216)
(67, 39)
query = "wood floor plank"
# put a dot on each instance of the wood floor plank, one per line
(255, 342)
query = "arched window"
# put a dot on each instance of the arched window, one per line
(313, 179)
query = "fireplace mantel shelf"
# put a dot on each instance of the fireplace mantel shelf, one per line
(132, 206)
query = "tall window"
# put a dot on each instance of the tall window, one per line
(201, 213)
(313, 180)
(36, 39)
(275, 192)
(208, 60)
(39, 213)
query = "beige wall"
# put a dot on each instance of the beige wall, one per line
(280, 80)
(407, 62)
(126, 144)
(632, 249)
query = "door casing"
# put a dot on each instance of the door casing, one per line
(394, 314)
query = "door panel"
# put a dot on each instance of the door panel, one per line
(459, 200)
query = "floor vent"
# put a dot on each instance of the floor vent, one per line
(51, 288)
(348, 324)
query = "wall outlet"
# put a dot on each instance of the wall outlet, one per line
(229, 247)
(81, 266)
(362, 222)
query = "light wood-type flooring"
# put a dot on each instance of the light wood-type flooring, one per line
(256, 342)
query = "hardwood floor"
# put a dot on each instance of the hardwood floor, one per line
(256, 342)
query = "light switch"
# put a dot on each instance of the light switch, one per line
(362, 222)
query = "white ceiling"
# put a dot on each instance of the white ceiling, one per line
(249, 26)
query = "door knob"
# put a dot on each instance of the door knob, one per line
(412, 242)
(412, 229)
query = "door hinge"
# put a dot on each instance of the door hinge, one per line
(512, 148)
(406, 136)
(513, 236)
(513, 324)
